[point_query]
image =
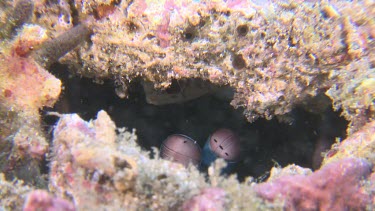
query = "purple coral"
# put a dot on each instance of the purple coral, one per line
(337, 186)
(42, 200)
(208, 199)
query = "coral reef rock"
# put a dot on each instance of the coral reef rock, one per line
(275, 55)
(336, 186)
(25, 88)
(270, 55)
(42, 200)
(208, 199)
(360, 144)
(94, 167)
(26, 51)
(13, 194)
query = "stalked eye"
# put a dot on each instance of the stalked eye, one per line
(181, 149)
(225, 144)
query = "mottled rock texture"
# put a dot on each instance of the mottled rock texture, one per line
(336, 186)
(42, 200)
(275, 55)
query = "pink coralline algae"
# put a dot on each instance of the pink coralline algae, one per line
(43, 201)
(84, 154)
(360, 144)
(337, 186)
(208, 199)
(94, 167)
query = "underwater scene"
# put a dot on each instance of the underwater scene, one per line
(187, 105)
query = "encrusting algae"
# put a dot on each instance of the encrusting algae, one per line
(26, 86)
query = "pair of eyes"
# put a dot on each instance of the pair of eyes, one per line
(221, 147)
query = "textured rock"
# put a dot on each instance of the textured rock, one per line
(94, 167)
(26, 86)
(82, 148)
(275, 55)
(336, 186)
(42, 200)
(207, 199)
(360, 144)
(13, 194)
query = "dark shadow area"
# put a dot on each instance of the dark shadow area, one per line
(265, 143)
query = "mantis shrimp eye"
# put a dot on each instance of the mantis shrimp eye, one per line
(181, 149)
(222, 143)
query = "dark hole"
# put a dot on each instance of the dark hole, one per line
(291, 142)
(150, 36)
(161, 177)
(44, 167)
(132, 27)
(188, 34)
(226, 154)
(238, 62)
(291, 42)
(185, 142)
(174, 88)
(215, 140)
(38, 15)
(103, 179)
(202, 23)
(242, 30)
(221, 147)
(116, 2)
(121, 163)
(74, 12)
(226, 13)
(262, 35)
